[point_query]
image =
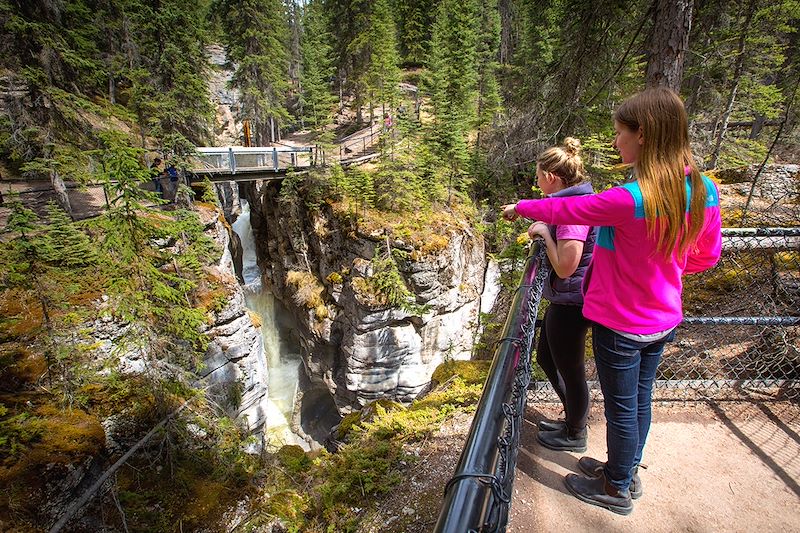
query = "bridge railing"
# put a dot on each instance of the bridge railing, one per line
(477, 498)
(359, 144)
(240, 159)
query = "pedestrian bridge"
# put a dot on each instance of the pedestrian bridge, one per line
(239, 163)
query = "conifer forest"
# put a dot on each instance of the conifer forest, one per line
(107, 313)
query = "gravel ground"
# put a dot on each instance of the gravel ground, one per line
(727, 466)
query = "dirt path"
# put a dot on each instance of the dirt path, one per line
(732, 467)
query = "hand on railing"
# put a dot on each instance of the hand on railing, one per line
(538, 230)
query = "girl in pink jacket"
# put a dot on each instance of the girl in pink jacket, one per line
(664, 224)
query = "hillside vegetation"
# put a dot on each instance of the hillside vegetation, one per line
(92, 90)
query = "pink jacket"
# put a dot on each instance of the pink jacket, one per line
(629, 286)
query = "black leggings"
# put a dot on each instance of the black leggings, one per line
(561, 353)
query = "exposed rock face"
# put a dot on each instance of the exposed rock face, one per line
(227, 128)
(774, 196)
(776, 182)
(235, 365)
(228, 194)
(361, 351)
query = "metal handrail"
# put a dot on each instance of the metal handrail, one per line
(477, 497)
(223, 159)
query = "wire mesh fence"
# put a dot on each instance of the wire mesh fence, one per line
(741, 331)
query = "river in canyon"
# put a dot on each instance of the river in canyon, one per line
(281, 352)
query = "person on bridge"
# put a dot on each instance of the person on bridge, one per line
(155, 175)
(171, 189)
(561, 350)
(653, 230)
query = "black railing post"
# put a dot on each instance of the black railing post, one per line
(477, 497)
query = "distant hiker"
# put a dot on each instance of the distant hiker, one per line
(652, 231)
(561, 351)
(387, 122)
(155, 175)
(172, 188)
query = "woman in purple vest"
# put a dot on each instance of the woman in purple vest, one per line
(562, 341)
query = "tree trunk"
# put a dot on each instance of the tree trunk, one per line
(507, 42)
(737, 78)
(669, 42)
(759, 121)
(271, 130)
(112, 89)
(61, 193)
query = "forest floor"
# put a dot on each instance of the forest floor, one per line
(711, 466)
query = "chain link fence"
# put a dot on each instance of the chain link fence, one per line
(741, 331)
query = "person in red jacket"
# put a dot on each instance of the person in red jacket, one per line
(652, 231)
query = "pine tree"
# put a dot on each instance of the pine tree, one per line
(317, 102)
(169, 89)
(488, 50)
(350, 23)
(27, 267)
(453, 83)
(383, 75)
(415, 20)
(257, 37)
(68, 245)
(121, 173)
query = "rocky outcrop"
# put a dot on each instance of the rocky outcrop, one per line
(234, 364)
(361, 351)
(771, 201)
(227, 130)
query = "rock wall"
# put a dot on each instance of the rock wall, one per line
(361, 352)
(227, 127)
(235, 367)
(774, 201)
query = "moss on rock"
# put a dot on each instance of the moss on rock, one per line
(472, 372)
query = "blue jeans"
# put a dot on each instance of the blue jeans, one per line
(626, 370)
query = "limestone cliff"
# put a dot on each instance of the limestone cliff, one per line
(357, 350)
(234, 365)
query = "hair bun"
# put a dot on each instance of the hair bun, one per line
(572, 146)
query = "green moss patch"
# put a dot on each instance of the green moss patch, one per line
(293, 458)
(471, 372)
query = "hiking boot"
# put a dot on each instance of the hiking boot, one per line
(546, 424)
(594, 468)
(598, 491)
(563, 439)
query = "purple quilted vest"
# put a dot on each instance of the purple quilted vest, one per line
(568, 291)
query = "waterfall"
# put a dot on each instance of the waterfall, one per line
(283, 358)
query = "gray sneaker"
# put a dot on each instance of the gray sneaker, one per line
(594, 468)
(598, 491)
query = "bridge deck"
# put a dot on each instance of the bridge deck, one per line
(273, 161)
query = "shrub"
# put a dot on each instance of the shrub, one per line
(334, 278)
(308, 290)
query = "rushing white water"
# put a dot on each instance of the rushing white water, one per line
(283, 359)
(242, 227)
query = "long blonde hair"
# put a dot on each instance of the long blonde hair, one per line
(564, 161)
(661, 168)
